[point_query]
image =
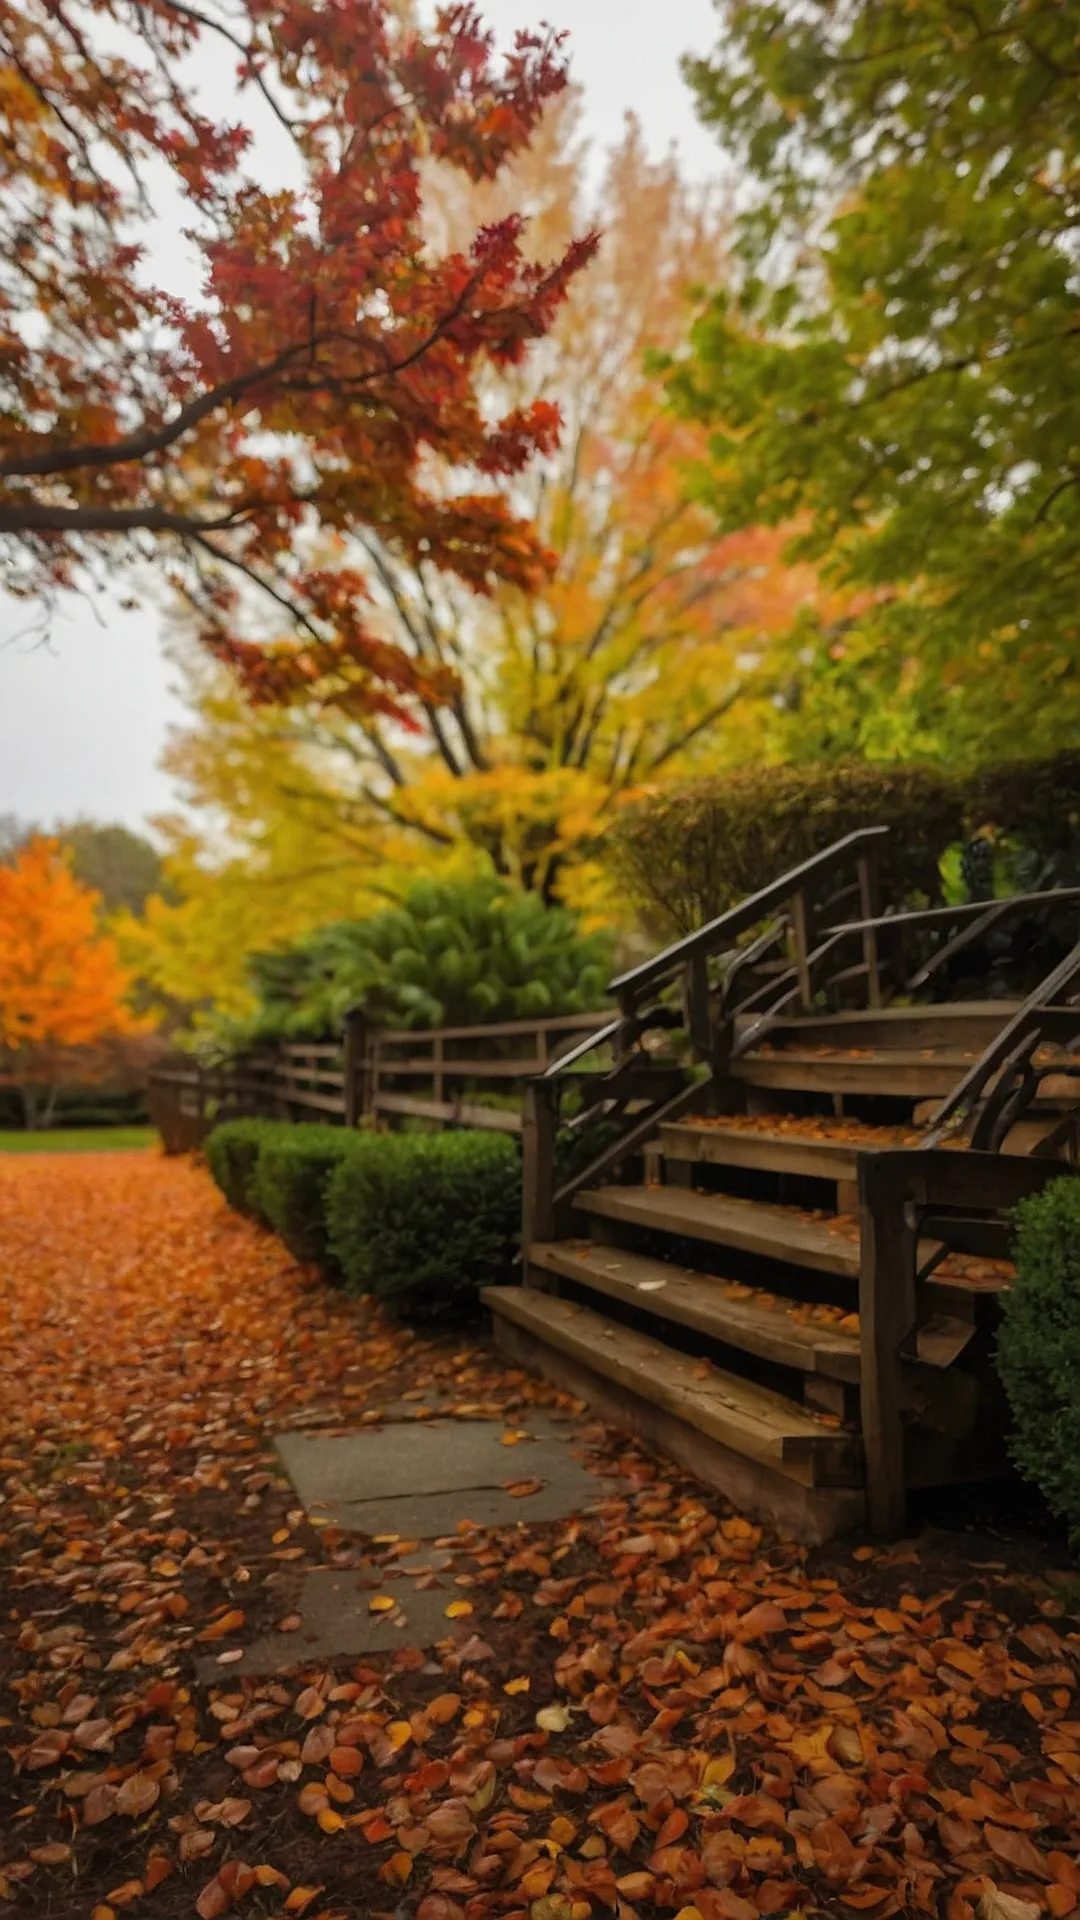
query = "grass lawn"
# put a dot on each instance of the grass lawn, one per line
(77, 1139)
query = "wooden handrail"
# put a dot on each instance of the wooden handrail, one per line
(727, 926)
(941, 916)
(1027, 1018)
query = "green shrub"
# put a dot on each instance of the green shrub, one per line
(689, 854)
(1038, 1351)
(425, 1222)
(232, 1152)
(289, 1185)
(454, 953)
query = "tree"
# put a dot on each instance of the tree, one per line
(898, 365)
(623, 670)
(62, 985)
(325, 381)
(123, 867)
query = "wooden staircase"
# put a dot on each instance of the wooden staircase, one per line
(784, 1270)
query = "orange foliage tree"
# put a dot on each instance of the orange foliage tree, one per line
(332, 352)
(62, 985)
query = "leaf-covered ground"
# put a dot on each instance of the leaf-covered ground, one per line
(658, 1711)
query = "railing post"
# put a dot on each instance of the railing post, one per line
(869, 908)
(540, 1123)
(353, 1047)
(887, 1322)
(801, 912)
(696, 1012)
(437, 1067)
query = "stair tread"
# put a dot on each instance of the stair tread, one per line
(736, 1315)
(780, 1143)
(754, 1226)
(751, 1420)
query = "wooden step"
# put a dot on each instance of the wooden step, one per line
(778, 1233)
(698, 1300)
(750, 1420)
(726, 1144)
(953, 1024)
(907, 1073)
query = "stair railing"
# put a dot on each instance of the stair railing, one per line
(641, 1089)
(1007, 1071)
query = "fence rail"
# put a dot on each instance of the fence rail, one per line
(447, 1077)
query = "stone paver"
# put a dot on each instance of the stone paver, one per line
(338, 1624)
(420, 1479)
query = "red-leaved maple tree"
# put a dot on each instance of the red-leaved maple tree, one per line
(328, 377)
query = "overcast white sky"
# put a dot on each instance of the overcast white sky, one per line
(83, 720)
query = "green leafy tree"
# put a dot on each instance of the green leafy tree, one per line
(454, 953)
(896, 367)
(123, 867)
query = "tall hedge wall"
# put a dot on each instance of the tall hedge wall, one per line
(687, 855)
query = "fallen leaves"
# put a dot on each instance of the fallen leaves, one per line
(664, 1712)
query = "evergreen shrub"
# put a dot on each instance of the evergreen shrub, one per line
(424, 1221)
(232, 1154)
(289, 1185)
(687, 855)
(1038, 1353)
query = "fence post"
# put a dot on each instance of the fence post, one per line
(539, 1126)
(887, 1322)
(353, 1051)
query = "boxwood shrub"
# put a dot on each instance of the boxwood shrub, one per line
(424, 1221)
(232, 1152)
(289, 1185)
(1038, 1350)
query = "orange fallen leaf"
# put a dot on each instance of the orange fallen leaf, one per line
(228, 1623)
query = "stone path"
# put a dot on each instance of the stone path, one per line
(414, 1480)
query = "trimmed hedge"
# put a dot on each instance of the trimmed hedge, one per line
(232, 1153)
(1038, 1352)
(688, 855)
(289, 1185)
(424, 1221)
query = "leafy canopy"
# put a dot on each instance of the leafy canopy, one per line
(63, 989)
(898, 367)
(326, 377)
(123, 867)
(452, 954)
(644, 656)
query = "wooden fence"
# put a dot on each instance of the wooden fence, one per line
(448, 1077)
